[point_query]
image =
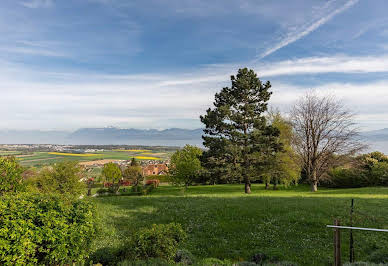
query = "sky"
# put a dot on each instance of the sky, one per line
(69, 64)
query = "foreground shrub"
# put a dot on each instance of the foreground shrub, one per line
(11, 179)
(160, 241)
(44, 229)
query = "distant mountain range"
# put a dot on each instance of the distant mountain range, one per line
(104, 136)
(377, 139)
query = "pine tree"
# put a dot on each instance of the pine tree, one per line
(236, 133)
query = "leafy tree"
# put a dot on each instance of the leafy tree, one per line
(236, 134)
(185, 165)
(63, 178)
(133, 172)
(282, 167)
(112, 172)
(11, 179)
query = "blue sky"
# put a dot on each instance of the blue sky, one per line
(157, 64)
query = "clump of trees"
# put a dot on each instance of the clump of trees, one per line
(364, 170)
(244, 144)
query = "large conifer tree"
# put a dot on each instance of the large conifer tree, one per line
(236, 132)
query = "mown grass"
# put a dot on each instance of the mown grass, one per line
(223, 222)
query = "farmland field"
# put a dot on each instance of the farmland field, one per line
(46, 158)
(225, 223)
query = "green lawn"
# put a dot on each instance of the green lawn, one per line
(223, 222)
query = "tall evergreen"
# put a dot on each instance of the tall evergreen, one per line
(236, 132)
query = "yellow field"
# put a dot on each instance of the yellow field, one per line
(146, 158)
(133, 150)
(73, 154)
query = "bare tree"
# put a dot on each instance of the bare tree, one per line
(324, 131)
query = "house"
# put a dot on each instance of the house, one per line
(155, 169)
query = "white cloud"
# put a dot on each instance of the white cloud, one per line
(37, 3)
(297, 32)
(333, 64)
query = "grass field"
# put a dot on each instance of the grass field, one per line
(223, 222)
(46, 158)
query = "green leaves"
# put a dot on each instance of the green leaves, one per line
(11, 179)
(44, 229)
(185, 165)
(62, 178)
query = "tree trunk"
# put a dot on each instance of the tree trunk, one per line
(266, 185)
(314, 186)
(247, 186)
(89, 191)
(314, 181)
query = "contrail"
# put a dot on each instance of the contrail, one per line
(297, 34)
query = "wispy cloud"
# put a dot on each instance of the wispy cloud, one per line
(37, 3)
(299, 32)
(333, 64)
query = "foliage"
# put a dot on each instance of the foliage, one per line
(236, 134)
(44, 229)
(112, 173)
(281, 167)
(11, 179)
(366, 170)
(133, 173)
(341, 177)
(159, 241)
(185, 165)
(63, 178)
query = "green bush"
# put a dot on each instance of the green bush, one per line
(45, 229)
(160, 241)
(62, 177)
(347, 178)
